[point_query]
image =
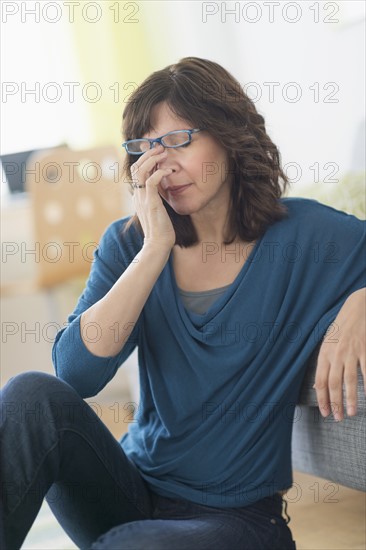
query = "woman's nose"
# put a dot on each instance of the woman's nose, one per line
(168, 162)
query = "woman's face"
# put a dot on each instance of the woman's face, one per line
(200, 182)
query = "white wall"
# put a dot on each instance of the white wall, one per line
(312, 129)
(303, 51)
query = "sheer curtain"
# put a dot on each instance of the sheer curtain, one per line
(68, 73)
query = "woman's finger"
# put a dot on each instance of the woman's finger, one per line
(350, 381)
(321, 385)
(155, 178)
(362, 363)
(151, 153)
(336, 388)
(141, 173)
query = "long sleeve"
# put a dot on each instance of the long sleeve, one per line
(72, 361)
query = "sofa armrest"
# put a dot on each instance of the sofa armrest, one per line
(320, 446)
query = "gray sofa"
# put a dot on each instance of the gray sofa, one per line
(332, 450)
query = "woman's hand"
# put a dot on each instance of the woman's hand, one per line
(340, 357)
(155, 221)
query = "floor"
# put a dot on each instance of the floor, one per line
(326, 516)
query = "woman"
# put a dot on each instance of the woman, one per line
(226, 288)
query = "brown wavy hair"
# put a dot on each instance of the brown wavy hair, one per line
(205, 94)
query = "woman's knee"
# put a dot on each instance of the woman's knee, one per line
(34, 392)
(31, 383)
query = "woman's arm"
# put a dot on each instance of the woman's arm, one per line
(87, 352)
(339, 360)
(80, 352)
(121, 306)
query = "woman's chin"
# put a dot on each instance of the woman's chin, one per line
(182, 209)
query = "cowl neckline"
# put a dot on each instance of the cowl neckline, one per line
(194, 322)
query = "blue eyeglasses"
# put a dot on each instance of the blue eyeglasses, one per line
(171, 140)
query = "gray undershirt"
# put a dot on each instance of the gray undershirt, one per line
(199, 302)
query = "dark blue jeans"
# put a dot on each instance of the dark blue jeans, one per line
(53, 445)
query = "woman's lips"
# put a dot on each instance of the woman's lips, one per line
(178, 189)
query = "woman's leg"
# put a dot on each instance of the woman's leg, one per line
(53, 443)
(184, 525)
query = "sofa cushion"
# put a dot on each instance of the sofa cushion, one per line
(329, 449)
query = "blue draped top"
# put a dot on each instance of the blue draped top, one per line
(218, 390)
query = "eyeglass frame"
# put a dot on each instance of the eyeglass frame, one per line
(159, 140)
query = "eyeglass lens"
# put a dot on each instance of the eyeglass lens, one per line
(171, 140)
